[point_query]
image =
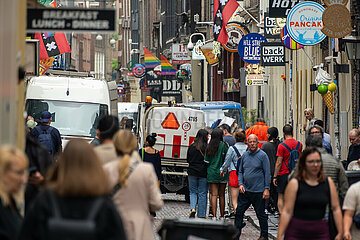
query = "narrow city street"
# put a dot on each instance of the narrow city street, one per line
(176, 207)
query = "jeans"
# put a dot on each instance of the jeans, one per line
(198, 187)
(244, 201)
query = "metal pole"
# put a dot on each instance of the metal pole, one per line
(290, 89)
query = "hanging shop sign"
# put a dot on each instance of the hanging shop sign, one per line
(182, 75)
(171, 87)
(249, 47)
(207, 50)
(138, 70)
(272, 54)
(304, 23)
(281, 8)
(288, 41)
(235, 32)
(271, 29)
(180, 54)
(336, 19)
(196, 52)
(70, 20)
(254, 80)
(231, 85)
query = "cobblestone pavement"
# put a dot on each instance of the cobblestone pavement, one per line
(176, 207)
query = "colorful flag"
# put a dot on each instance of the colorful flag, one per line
(150, 60)
(166, 67)
(52, 45)
(223, 10)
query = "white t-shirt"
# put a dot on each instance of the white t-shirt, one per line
(352, 202)
(354, 166)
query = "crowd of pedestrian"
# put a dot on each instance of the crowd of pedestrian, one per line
(110, 190)
(101, 190)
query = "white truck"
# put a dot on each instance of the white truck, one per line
(75, 100)
(176, 129)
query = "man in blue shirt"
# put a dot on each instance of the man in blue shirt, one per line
(254, 182)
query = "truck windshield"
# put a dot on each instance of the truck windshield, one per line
(211, 115)
(70, 118)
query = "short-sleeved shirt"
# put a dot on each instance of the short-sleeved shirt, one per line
(352, 202)
(285, 154)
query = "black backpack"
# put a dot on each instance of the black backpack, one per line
(46, 139)
(60, 228)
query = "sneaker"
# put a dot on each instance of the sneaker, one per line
(214, 218)
(210, 213)
(192, 213)
(232, 215)
(221, 219)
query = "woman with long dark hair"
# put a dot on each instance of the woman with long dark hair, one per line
(214, 156)
(306, 198)
(198, 186)
(270, 148)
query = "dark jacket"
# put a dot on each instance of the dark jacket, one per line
(39, 158)
(354, 153)
(10, 222)
(55, 136)
(108, 222)
(197, 166)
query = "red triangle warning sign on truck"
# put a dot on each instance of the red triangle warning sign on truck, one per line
(170, 122)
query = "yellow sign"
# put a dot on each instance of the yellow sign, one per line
(45, 65)
(207, 50)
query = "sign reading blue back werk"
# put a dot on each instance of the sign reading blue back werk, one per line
(249, 47)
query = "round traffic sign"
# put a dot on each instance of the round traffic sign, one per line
(186, 126)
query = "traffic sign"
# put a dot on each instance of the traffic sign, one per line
(170, 122)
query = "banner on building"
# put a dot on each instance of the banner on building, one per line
(249, 47)
(255, 80)
(235, 32)
(272, 54)
(171, 87)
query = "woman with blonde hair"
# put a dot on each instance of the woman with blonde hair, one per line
(309, 116)
(13, 166)
(77, 189)
(135, 188)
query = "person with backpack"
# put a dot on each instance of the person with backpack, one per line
(75, 204)
(287, 154)
(254, 184)
(232, 163)
(47, 135)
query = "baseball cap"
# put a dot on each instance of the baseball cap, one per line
(45, 117)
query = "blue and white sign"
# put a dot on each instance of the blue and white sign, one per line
(304, 23)
(249, 47)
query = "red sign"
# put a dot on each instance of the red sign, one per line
(170, 122)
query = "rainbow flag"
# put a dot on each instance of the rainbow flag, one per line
(166, 67)
(150, 60)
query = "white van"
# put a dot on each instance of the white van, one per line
(75, 101)
(129, 110)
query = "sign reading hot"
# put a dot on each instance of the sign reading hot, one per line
(272, 54)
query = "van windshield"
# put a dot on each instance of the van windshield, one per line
(211, 115)
(70, 118)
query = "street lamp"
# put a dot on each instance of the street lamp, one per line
(352, 44)
(204, 72)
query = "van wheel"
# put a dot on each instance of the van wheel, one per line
(187, 197)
